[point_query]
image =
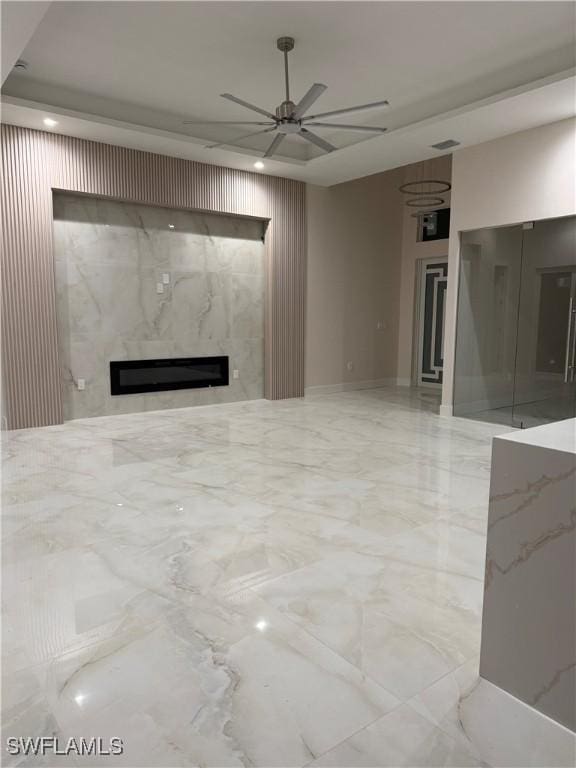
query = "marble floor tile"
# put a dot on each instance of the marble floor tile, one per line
(402, 624)
(255, 584)
(224, 683)
(402, 738)
(492, 724)
(25, 713)
(70, 599)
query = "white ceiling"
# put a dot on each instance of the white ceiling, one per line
(20, 20)
(130, 72)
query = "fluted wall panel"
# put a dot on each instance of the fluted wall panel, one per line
(35, 162)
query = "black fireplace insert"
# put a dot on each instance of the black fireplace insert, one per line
(130, 377)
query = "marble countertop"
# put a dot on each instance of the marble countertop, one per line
(559, 436)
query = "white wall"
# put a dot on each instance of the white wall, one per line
(353, 282)
(363, 252)
(522, 177)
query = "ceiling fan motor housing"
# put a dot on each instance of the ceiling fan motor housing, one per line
(285, 122)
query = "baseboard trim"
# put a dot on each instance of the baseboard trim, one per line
(349, 386)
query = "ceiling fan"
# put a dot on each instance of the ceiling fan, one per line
(291, 118)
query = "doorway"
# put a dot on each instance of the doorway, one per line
(432, 282)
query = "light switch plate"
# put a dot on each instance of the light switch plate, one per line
(159, 287)
(166, 278)
(235, 373)
(81, 384)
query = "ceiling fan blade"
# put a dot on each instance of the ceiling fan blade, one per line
(309, 136)
(239, 138)
(313, 93)
(224, 122)
(247, 104)
(349, 110)
(368, 128)
(275, 144)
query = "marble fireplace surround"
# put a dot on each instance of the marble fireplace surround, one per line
(110, 258)
(38, 163)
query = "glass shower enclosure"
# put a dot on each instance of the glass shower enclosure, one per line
(516, 325)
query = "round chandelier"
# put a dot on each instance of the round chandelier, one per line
(425, 187)
(425, 194)
(424, 202)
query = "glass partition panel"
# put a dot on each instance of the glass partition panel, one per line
(515, 360)
(487, 324)
(545, 375)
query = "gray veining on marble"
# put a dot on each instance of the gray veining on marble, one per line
(529, 622)
(110, 257)
(281, 583)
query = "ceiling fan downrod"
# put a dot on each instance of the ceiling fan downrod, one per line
(285, 45)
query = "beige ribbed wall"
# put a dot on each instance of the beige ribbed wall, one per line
(35, 162)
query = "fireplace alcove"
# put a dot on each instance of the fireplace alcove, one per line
(145, 285)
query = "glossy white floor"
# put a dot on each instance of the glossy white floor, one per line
(269, 584)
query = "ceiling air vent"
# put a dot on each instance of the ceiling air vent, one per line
(448, 144)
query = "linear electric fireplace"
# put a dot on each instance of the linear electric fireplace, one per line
(130, 377)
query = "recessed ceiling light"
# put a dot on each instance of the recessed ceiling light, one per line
(49, 122)
(21, 65)
(259, 165)
(170, 226)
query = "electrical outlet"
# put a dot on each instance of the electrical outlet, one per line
(81, 384)
(350, 365)
(380, 325)
(235, 373)
(166, 278)
(159, 287)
